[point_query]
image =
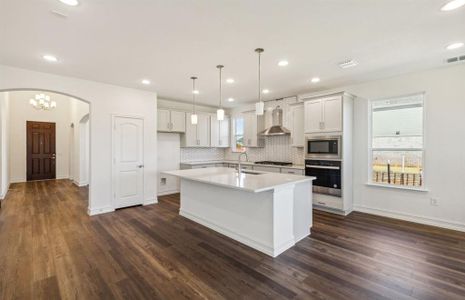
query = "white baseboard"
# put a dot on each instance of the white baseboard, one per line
(80, 184)
(411, 218)
(3, 195)
(22, 180)
(18, 180)
(150, 201)
(168, 193)
(98, 211)
(238, 237)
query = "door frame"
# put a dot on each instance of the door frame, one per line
(28, 154)
(113, 158)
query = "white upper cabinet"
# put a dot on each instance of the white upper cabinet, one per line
(253, 124)
(178, 121)
(171, 121)
(296, 122)
(323, 115)
(197, 135)
(203, 130)
(163, 120)
(219, 132)
(332, 114)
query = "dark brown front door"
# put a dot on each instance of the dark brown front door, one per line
(40, 150)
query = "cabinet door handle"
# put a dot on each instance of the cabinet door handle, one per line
(322, 203)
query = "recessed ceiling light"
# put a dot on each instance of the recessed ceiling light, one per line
(70, 2)
(146, 81)
(230, 80)
(454, 46)
(348, 64)
(195, 92)
(50, 58)
(230, 99)
(283, 63)
(451, 5)
(315, 80)
(265, 91)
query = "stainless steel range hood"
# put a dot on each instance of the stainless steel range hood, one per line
(277, 128)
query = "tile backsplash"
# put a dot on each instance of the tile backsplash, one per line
(202, 154)
(277, 148)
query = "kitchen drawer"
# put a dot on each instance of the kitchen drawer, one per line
(266, 169)
(292, 171)
(328, 201)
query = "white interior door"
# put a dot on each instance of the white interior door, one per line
(128, 161)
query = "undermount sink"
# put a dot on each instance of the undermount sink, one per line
(251, 173)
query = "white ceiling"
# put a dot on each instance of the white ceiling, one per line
(167, 41)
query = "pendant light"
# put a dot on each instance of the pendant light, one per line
(220, 110)
(260, 105)
(194, 118)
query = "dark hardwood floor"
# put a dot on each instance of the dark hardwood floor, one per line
(51, 249)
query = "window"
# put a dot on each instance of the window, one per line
(238, 136)
(397, 141)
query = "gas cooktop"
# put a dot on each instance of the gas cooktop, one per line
(276, 163)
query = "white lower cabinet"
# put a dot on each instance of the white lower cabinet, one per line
(293, 171)
(266, 169)
(327, 201)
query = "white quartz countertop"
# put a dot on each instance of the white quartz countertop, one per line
(227, 177)
(209, 162)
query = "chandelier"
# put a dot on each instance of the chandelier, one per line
(42, 101)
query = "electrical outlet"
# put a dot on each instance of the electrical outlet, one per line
(434, 201)
(163, 181)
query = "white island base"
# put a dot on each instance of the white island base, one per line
(270, 221)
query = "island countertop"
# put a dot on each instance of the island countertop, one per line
(251, 181)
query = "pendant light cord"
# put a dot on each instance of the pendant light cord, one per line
(193, 94)
(259, 78)
(259, 51)
(220, 67)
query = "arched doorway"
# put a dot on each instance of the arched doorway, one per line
(19, 111)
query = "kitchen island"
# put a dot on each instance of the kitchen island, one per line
(269, 212)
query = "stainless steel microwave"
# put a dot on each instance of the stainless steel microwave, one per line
(323, 147)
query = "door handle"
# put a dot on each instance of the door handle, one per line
(140, 166)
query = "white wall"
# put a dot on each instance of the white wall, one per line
(104, 100)
(4, 144)
(444, 149)
(78, 110)
(21, 112)
(168, 159)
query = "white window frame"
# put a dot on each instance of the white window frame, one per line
(233, 133)
(370, 181)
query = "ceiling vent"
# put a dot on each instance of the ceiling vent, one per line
(455, 59)
(348, 64)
